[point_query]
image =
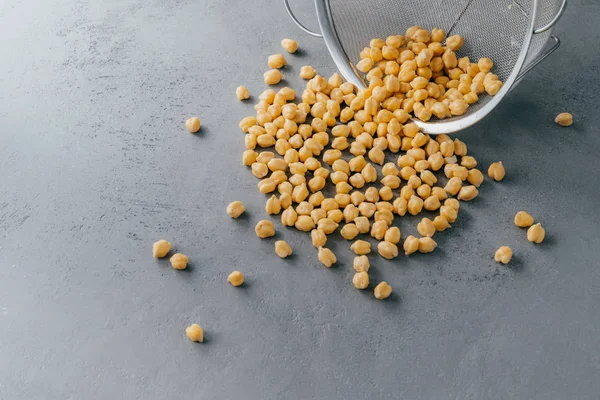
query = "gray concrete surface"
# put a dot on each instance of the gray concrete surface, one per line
(96, 165)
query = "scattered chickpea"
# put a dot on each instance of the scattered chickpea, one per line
(426, 245)
(361, 264)
(193, 124)
(276, 61)
(288, 217)
(382, 291)
(503, 255)
(523, 219)
(326, 257)
(307, 72)
(290, 45)
(349, 231)
(426, 227)
(179, 261)
(195, 333)
(536, 233)
(496, 171)
(304, 223)
(318, 238)
(264, 229)
(360, 280)
(440, 223)
(411, 245)
(235, 209)
(283, 249)
(387, 250)
(161, 248)
(236, 278)
(392, 235)
(242, 93)
(362, 224)
(361, 247)
(272, 77)
(564, 119)
(467, 193)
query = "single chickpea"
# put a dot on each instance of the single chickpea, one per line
(431, 203)
(453, 186)
(360, 280)
(290, 45)
(475, 177)
(272, 77)
(439, 192)
(467, 193)
(362, 224)
(426, 245)
(236, 278)
(235, 209)
(160, 248)
(523, 219)
(318, 214)
(307, 72)
(387, 250)
(426, 227)
(282, 249)
(411, 245)
(424, 191)
(382, 291)
(266, 185)
(264, 229)
(304, 223)
(285, 200)
(361, 247)
(415, 205)
(378, 229)
(288, 217)
(452, 203)
(503, 255)
(326, 257)
(536, 233)
(318, 238)
(242, 93)
(496, 171)
(276, 61)
(349, 231)
(440, 223)
(193, 124)
(455, 42)
(392, 235)
(327, 225)
(449, 213)
(361, 264)
(179, 261)
(564, 119)
(195, 333)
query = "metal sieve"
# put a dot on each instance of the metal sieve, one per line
(516, 35)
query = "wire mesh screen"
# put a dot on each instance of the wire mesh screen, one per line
(492, 28)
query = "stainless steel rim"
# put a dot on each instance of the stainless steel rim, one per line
(347, 70)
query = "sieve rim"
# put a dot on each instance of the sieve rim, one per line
(349, 72)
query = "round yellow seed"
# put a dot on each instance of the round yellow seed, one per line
(195, 333)
(536, 233)
(264, 229)
(564, 119)
(236, 278)
(382, 291)
(503, 255)
(242, 93)
(290, 45)
(523, 219)
(326, 257)
(193, 124)
(283, 249)
(235, 209)
(160, 248)
(496, 171)
(387, 250)
(179, 261)
(361, 263)
(360, 280)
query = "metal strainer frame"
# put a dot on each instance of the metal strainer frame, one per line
(519, 70)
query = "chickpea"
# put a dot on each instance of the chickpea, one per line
(364, 65)
(440, 223)
(496, 171)
(290, 45)
(415, 205)
(392, 235)
(361, 247)
(431, 203)
(304, 208)
(503, 255)
(282, 249)
(312, 164)
(436, 161)
(426, 245)
(492, 86)
(523, 219)
(289, 217)
(304, 223)
(242, 93)
(378, 229)
(307, 72)
(536, 233)
(453, 186)
(455, 42)
(343, 188)
(564, 119)
(236, 278)
(179, 261)
(357, 197)
(327, 225)
(193, 124)
(266, 186)
(407, 172)
(458, 107)
(318, 238)
(285, 200)
(377, 155)
(350, 213)
(385, 193)
(361, 264)
(411, 245)
(362, 224)
(439, 192)
(195, 333)
(449, 213)
(160, 248)
(382, 291)
(326, 257)
(235, 209)
(369, 173)
(349, 231)
(300, 193)
(272, 77)
(467, 193)
(360, 280)
(452, 203)
(367, 209)
(424, 191)
(318, 214)
(264, 229)
(475, 177)
(426, 227)
(249, 157)
(342, 199)
(387, 250)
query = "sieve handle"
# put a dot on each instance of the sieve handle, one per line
(300, 25)
(538, 60)
(550, 24)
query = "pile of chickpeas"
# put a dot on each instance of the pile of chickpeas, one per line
(324, 159)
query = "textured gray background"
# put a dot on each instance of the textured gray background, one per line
(96, 165)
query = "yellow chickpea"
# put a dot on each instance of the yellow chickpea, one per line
(195, 333)
(160, 248)
(496, 171)
(503, 255)
(523, 219)
(467, 193)
(236, 278)
(426, 227)
(272, 77)
(276, 61)
(564, 119)
(426, 245)
(387, 250)
(304, 223)
(362, 224)
(283, 249)
(440, 223)
(307, 72)
(349, 231)
(242, 93)
(290, 45)
(361, 247)
(179, 261)
(326, 257)
(536, 233)
(360, 280)
(235, 209)
(193, 124)
(382, 291)
(289, 217)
